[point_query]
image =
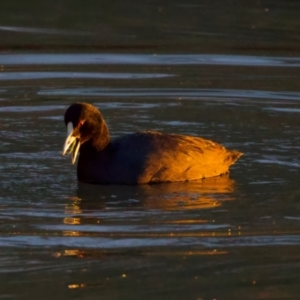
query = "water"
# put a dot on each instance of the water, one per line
(222, 238)
(225, 71)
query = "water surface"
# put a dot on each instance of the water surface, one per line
(222, 238)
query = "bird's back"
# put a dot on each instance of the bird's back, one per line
(147, 157)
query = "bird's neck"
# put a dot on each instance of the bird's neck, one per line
(93, 161)
(100, 138)
(89, 150)
(100, 143)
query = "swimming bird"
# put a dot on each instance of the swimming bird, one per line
(138, 158)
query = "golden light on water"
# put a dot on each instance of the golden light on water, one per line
(73, 209)
(71, 233)
(72, 221)
(71, 252)
(187, 253)
(204, 194)
(188, 221)
(76, 286)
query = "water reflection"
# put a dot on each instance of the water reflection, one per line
(100, 254)
(207, 193)
(100, 211)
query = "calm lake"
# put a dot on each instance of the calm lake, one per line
(235, 237)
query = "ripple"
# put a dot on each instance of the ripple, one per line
(109, 105)
(76, 75)
(31, 108)
(42, 30)
(133, 228)
(278, 162)
(182, 93)
(179, 123)
(128, 242)
(292, 218)
(284, 109)
(148, 59)
(31, 156)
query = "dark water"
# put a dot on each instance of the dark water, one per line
(223, 238)
(228, 72)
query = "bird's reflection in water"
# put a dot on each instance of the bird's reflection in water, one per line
(207, 193)
(120, 212)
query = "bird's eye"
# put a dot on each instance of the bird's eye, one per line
(80, 124)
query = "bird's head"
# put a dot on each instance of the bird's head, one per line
(84, 123)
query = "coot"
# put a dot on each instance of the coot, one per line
(137, 158)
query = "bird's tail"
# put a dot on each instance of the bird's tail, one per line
(233, 156)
